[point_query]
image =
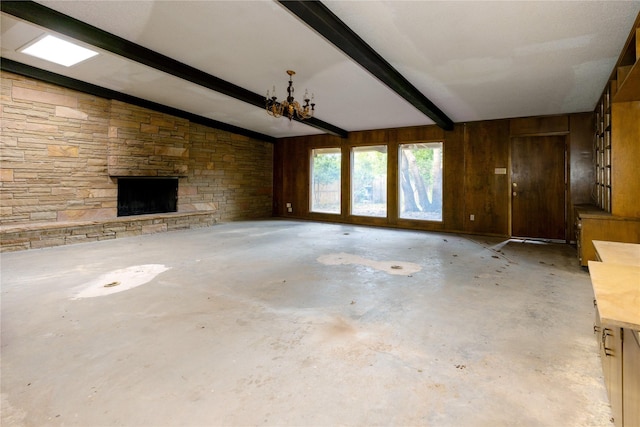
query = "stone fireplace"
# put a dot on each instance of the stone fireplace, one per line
(80, 168)
(146, 195)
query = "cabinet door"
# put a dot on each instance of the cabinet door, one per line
(611, 354)
(631, 378)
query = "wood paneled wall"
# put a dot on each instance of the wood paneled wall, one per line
(472, 153)
(625, 152)
(486, 193)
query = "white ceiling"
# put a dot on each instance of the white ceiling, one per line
(476, 60)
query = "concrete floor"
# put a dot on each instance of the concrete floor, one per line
(298, 323)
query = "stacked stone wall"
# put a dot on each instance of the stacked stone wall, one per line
(53, 154)
(233, 175)
(143, 142)
(61, 152)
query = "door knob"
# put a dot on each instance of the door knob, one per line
(514, 184)
(515, 194)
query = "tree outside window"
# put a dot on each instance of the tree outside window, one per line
(325, 180)
(420, 176)
(369, 181)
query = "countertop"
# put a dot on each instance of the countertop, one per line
(618, 253)
(617, 291)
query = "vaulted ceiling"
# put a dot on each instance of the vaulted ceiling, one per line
(370, 64)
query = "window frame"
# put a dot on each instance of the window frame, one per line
(352, 175)
(321, 150)
(399, 191)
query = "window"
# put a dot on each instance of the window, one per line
(369, 181)
(420, 181)
(325, 180)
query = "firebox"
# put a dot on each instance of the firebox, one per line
(139, 196)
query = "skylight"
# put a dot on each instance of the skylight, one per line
(60, 51)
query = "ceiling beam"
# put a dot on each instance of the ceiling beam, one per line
(102, 92)
(64, 24)
(326, 23)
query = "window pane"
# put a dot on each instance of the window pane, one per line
(420, 186)
(325, 180)
(369, 181)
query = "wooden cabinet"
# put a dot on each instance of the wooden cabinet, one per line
(631, 378)
(625, 159)
(624, 153)
(626, 75)
(616, 156)
(616, 288)
(620, 356)
(616, 151)
(592, 224)
(610, 343)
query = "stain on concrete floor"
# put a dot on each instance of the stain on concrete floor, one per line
(391, 267)
(120, 280)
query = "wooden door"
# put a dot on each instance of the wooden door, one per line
(538, 187)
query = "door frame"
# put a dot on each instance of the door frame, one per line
(567, 184)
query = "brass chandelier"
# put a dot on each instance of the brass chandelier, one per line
(290, 107)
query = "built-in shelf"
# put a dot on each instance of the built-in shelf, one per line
(602, 152)
(616, 218)
(628, 70)
(623, 86)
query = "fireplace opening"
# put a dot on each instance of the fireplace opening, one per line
(139, 196)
